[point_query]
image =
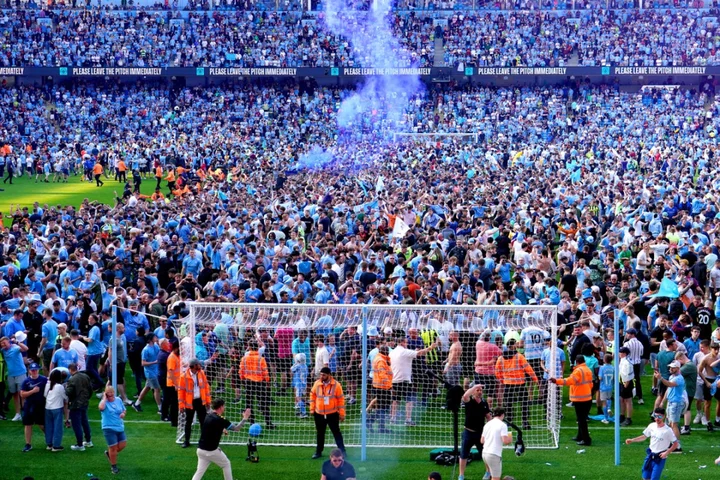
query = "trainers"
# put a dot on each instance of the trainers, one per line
(717, 424)
(685, 430)
(697, 418)
(703, 420)
(461, 477)
(48, 447)
(27, 448)
(88, 444)
(410, 423)
(138, 408)
(710, 427)
(641, 401)
(570, 404)
(352, 401)
(303, 415)
(605, 421)
(17, 417)
(486, 476)
(678, 450)
(114, 470)
(77, 448)
(58, 449)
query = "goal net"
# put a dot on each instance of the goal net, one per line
(415, 415)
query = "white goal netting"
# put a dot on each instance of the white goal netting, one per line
(469, 341)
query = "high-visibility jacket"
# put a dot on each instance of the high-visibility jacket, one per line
(327, 399)
(382, 373)
(173, 370)
(121, 167)
(170, 176)
(158, 172)
(253, 367)
(429, 337)
(581, 382)
(187, 388)
(512, 371)
(97, 169)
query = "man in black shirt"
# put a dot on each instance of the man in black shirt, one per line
(477, 411)
(337, 468)
(208, 447)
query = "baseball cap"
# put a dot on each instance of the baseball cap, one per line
(674, 365)
(34, 366)
(326, 371)
(631, 331)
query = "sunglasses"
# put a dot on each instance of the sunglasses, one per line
(658, 416)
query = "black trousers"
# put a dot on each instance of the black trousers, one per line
(333, 421)
(201, 411)
(169, 407)
(582, 410)
(513, 395)
(638, 386)
(260, 392)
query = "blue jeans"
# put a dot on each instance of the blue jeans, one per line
(80, 424)
(54, 427)
(91, 368)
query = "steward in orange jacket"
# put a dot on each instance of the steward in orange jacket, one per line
(382, 383)
(580, 381)
(511, 369)
(256, 378)
(327, 404)
(172, 384)
(194, 396)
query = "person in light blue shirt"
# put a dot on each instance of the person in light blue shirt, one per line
(49, 334)
(95, 351)
(134, 320)
(692, 344)
(112, 413)
(606, 375)
(191, 265)
(299, 383)
(301, 344)
(64, 355)
(12, 353)
(149, 358)
(676, 395)
(15, 324)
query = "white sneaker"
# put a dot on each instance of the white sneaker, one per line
(604, 421)
(88, 444)
(569, 404)
(697, 418)
(703, 420)
(128, 402)
(641, 402)
(77, 448)
(17, 417)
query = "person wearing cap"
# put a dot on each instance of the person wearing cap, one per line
(675, 384)
(327, 405)
(12, 351)
(581, 383)
(32, 392)
(627, 376)
(663, 442)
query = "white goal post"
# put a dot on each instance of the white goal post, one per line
(218, 334)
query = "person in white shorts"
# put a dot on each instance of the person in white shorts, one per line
(495, 435)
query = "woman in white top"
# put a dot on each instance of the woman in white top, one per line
(55, 401)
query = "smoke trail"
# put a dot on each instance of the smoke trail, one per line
(371, 32)
(315, 159)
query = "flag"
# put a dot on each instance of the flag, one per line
(668, 289)
(400, 228)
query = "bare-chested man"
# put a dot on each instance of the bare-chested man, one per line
(453, 367)
(708, 371)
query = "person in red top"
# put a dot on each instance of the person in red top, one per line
(486, 355)
(255, 376)
(283, 339)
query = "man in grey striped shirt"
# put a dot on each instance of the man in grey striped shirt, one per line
(635, 358)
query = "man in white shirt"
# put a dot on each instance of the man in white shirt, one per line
(322, 356)
(627, 376)
(401, 359)
(495, 435)
(662, 443)
(80, 348)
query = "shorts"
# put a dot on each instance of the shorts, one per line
(605, 396)
(33, 416)
(489, 383)
(383, 397)
(662, 388)
(675, 411)
(699, 394)
(402, 391)
(626, 393)
(469, 440)
(113, 438)
(706, 390)
(121, 373)
(153, 383)
(47, 354)
(493, 464)
(14, 383)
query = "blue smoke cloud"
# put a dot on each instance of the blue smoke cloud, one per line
(370, 32)
(315, 159)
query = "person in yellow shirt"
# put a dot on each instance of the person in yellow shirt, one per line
(98, 171)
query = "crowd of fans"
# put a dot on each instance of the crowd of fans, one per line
(157, 39)
(286, 39)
